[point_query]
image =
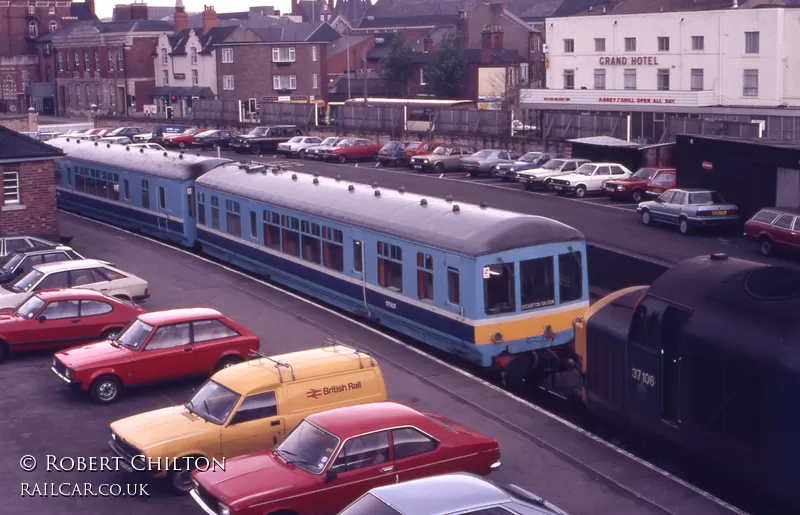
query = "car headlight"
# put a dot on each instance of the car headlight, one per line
(427, 161)
(512, 170)
(567, 182)
(68, 374)
(223, 510)
(532, 178)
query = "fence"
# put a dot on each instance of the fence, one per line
(563, 125)
(710, 127)
(282, 113)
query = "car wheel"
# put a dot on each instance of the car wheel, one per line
(105, 389)
(181, 478)
(110, 333)
(637, 195)
(375, 157)
(546, 184)
(580, 191)
(342, 158)
(182, 144)
(228, 361)
(684, 227)
(764, 244)
(646, 218)
(302, 153)
(255, 149)
(439, 168)
(3, 351)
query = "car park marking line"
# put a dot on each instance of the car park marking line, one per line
(464, 373)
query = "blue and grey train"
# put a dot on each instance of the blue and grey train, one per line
(494, 287)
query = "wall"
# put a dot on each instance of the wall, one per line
(38, 196)
(17, 123)
(14, 20)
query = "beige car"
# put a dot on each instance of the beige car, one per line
(443, 159)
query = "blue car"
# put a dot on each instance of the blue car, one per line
(689, 209)
(531, 160)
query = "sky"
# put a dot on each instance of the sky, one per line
(106, 7)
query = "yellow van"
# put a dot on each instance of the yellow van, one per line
(244, 408)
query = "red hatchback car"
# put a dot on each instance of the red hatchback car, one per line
(775, 228)
(422, 148)
(55, 319)
(182, 140)
(332, 458)
(157, 346)
(634, 187)
(351, 149)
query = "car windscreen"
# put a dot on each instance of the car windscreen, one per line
(440, 151)
(482, 153)
(644, 173)
(296, 139)
(30, 307)
(553, 164)
(189, 132)
(213, 402)
(308, 447)
(206, 133)
(705, 197)
(665, 179)
(586, 169)
(329, 141)
(116, 131)
(134, 336)
(369, 505)
(26, 282)
(530, 157)
(413, 146)
(390, 146)
(258, 131)
(11, 261)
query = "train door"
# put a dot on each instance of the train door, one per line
(189, 223)
(358, 269)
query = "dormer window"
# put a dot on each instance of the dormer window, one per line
(194, 55)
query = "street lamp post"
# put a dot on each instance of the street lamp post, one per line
(347, 40)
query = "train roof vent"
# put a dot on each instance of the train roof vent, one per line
(294, 176)
(448, 198)
(377, 193)
(316, 180)
(256, 169)
(374, 184)
(456, 208)
(423, 202)
(402, 189)
(351, 188)
(484, 204)
(338, 178)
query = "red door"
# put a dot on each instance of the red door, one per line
(58, 325)
(417, 455)
(783, 231)
(95, 318)
(167, 354)
(211, 339)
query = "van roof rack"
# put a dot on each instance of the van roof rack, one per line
(333, 342)
(278, 364)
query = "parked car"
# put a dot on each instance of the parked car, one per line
(155, 347)
(662, 182)
(539, 178)
(19, 263)
(485, 162)
(80, 273)
(333, 457)
(184, 139)
(150, 146)
(249, 407)
(588, 178)
(509, 171)
(116, 140)
(445, 158)
(450, 494)
(420, 148)
(214, 138)
(392, 153)
(689, 209)
(126, 132)
(775, 228)
(298, 145)
(262, 140)
(351, 149)
(634, 187)
(161, 131)
(313, 152)
(55, 319)
(11, 244)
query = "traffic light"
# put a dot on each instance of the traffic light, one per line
(252, 105)
(173, 98)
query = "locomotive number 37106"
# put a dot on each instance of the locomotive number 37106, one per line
(643, 377)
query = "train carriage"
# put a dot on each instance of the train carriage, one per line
(482, 283)
(148, 190)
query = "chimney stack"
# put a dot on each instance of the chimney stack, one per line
(462, 28)
(181, 17)
(497, 40)
(486, 45)
(138, 11)
(90, 6)
(497, 7)
(209, 18)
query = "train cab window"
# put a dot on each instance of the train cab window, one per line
(145, 194)
(499, 293)
(233, 218)
(311, 241)
(424, 276)
(537, 283)
(453, 286)
(570, 277)
(214, 212)
(358, 257)
(290, 235)
(390, 266)
(272, 230)
(333, 249)
(201, 208)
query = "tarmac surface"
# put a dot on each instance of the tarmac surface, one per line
(41, 417)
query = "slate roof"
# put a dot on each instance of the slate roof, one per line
(525, 9)
(81, 11)
(178, 41)
(16, 146)
(111, 27)
(404, 20)
(305, 31)
(471, 55)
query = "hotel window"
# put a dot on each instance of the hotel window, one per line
(233, 218)
(53, 26)
(120, 59)
(390, 266)
(33, 29)
(77, 60)
(569, 46)
(60, 61)
(284, 82)
(630, 44)
(165, 76)
(663, 80)
(630, 78)
(227, 55)
(315, 81)
(751, 42)
(214, 212)
(310, 241)
(314, 53)
(86, 60)
(163, 56)
(272, 230)
(291, 235)
(599, 79)
(697, 79)
(750, 83)
(194, 55)
(424, 276)
(663, 44)
(97, 60)
(195, 78)
(698, 43)
(599, 44)
(422, 77)
(333, 249)
(10, 188)
(283, 55)
(227, 82)
(569, 79)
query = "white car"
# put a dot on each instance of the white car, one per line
(117, 140)
(151, 146)
(142, 138)
(588, 178)
(298, 145)
(92, 274)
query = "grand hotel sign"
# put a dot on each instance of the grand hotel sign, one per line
(633, 60)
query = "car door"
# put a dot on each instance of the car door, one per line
(53, 281)
(88, 279)
(658, 209)
(618, 173)
(59, 325)
(167, 354)
(94, 318)
(415, 454)
(210, 339)
(568, 167)
(598, 180)
(254, 426)
(363, 463)
(783, 231)
(674, 208)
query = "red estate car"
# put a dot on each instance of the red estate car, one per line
(157, 346)
(331, 458)
(661, 183)
(55, 319)
(634, 187)
(182, 140)
(421, 148)
(775, 228)
(351, 149)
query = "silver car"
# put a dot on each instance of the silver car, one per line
(485, 162)
(298, 145)
(689, 209)
(450, 494)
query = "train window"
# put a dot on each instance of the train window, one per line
(102, 188)
(126, 190)
(333, 249)
(145, 194)
(499, 294)
(358, 257)
(91, 183)
(201, 206)
(233, 218)
(291, 235)
(272, 230)
(390, 266)
(570, 277)
(453, 286)
(253, 225)
(214, 212)
(113, 187)
(311, 241)
(162, 198)
(424, 276)
(80, 181)
(537, 283)
(645, 326)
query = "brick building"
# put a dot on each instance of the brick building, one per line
(109, 65)
(29, 186)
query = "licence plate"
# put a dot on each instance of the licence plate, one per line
(559, 187)
(719, 213)
(418, 167)
(609, 188)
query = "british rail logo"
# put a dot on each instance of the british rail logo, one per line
(316, 393)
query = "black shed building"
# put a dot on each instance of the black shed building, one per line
(751, 173)
(632, 155)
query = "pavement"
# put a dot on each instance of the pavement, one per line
(580, 473)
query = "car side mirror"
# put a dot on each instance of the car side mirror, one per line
(330, 475)
(41, 318)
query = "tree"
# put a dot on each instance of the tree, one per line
(448, 67)
(398, 66)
